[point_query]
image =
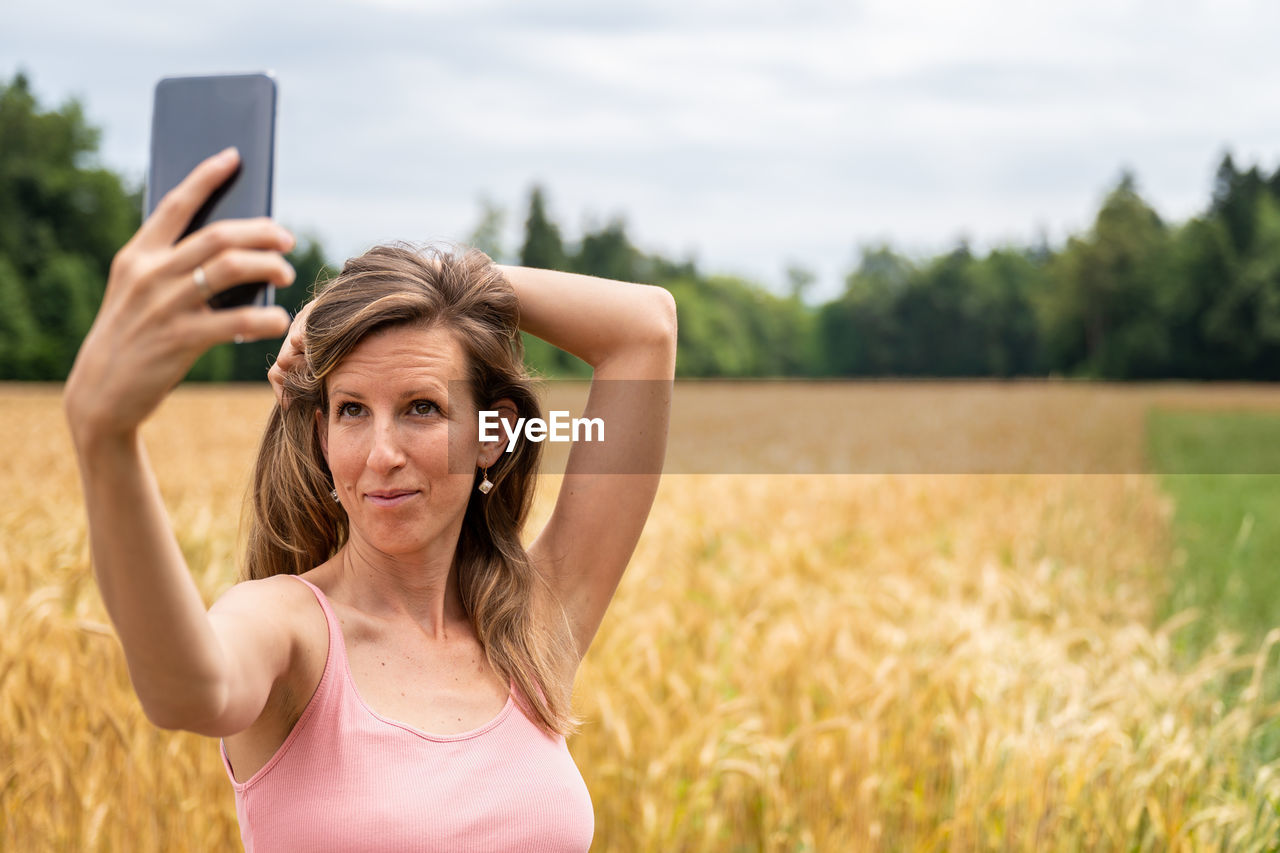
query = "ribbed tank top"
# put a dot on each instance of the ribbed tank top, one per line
(347, 779)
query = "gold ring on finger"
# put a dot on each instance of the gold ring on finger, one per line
(202, 284)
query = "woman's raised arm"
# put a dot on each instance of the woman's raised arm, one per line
(627, 333)
(153, 324)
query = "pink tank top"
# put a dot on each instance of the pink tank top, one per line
(346, 779)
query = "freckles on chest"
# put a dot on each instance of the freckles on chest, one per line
(440, 691)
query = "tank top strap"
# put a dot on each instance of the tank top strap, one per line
(336, 661)
(325, 703)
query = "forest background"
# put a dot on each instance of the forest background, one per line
(1134, 298)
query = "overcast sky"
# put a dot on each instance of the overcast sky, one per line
(745, 134)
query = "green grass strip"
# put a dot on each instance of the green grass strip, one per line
(1222, 470)
(1226, 517)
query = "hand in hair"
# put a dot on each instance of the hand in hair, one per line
(292, 351)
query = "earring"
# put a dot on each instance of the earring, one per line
(333, 493)
(485, 485)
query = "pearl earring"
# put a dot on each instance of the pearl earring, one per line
(485, 485)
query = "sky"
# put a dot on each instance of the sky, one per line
(746, 135)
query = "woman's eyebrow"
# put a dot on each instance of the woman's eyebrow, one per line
(428, 388)
(422, 391)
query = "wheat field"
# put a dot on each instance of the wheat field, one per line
(792, 662)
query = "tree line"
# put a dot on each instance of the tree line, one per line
(1133, 298)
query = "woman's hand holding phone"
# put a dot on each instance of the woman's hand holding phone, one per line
(155, 320)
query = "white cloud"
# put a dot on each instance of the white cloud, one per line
(752, 132)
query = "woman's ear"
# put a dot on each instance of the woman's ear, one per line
(322, 430)
(503, 426)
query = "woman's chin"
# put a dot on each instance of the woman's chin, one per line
(400, 537)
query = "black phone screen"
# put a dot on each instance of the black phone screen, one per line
(194, 118)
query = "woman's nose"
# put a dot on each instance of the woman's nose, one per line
(386, 453)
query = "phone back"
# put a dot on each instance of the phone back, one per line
(196, 117)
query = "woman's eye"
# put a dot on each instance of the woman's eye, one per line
(348, 410)
(424, 407)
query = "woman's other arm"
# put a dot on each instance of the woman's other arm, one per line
(627, 333)
(191, 670)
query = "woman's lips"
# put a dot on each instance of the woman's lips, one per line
(389, 498)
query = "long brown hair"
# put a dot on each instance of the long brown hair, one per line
(295, 524)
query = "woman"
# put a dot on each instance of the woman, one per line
(396, 673)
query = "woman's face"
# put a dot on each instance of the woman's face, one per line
(388, 436)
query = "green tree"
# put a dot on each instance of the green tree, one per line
(1007, 284)
(800, 280)
(713, 336)
(1243, 318)
(607, 253)
(64, 300)
(859, 332)
(20, 338)
(940, 318)
(1235, 201)
(1206, 262)
(731, 327)
(543, 247)
(1107, 312)
(62, 218)
(487, 234)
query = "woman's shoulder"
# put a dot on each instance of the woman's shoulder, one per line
(273, 591)
(299, 621)
(280, 601)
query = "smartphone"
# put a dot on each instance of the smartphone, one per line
(194, 118)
